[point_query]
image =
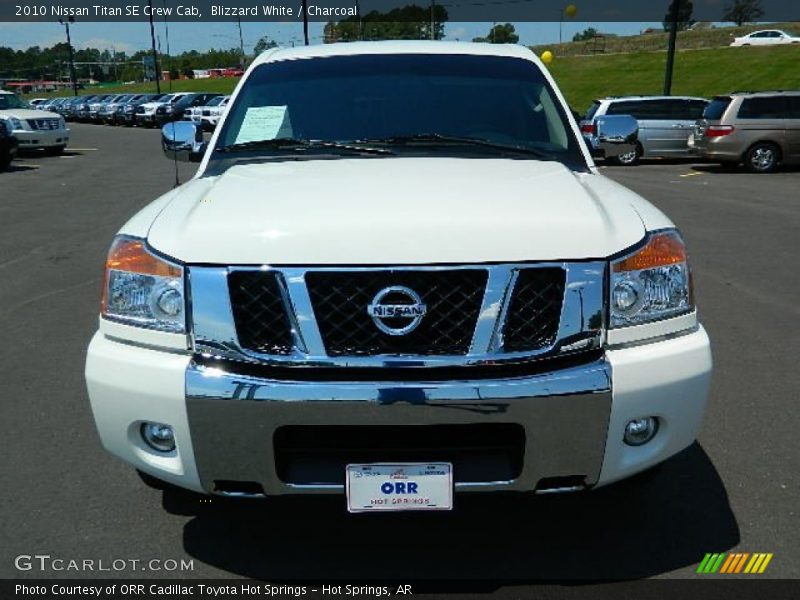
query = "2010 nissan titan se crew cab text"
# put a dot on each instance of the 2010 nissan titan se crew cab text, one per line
(397, 274)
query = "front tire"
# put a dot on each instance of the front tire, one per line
(763, 157)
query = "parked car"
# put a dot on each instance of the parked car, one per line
(35, 102)
(83, 111)
(99, 110)
(175, 111)
(8, 144)
(69, 108)
(767, 37)
(665, 123)
(35, 130)
(128, 116)
(109, 110)
(526, 324)
(759, 129)
(146, 113)
(209, 115)
(56, 104)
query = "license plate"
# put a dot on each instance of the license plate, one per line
(399, 486)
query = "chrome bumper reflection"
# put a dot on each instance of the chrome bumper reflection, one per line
(564, 414)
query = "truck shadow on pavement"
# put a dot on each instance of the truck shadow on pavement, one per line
(635, 529)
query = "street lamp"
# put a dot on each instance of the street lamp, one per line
(72, 76)
(153, 43)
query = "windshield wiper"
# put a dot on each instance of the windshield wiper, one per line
(294, 144)
(438, 138)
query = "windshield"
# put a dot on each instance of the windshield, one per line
(386, 98)
(215, 101)
(11, 101)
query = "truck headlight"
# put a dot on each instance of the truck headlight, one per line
(143, 289)
(16, 124)
(652, 283)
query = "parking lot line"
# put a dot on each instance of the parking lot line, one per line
(692, 174)
(70, 149)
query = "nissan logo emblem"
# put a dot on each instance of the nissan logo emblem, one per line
(400, 314)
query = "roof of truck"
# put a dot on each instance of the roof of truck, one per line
(396, 47)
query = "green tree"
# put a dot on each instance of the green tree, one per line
(585, 35)
(500, 34)
(743, 11)
(411, 22)
(265, 43)
(685, 10)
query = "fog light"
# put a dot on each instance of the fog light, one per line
(640, 431)
(158, 436)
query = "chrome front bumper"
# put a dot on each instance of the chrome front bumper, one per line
(564, 414)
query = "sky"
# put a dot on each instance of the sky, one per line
(130, 37)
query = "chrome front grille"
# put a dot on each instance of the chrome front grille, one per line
(535, 310)
(324, 317)
(259, 312)
(453, 300)
(44, 124)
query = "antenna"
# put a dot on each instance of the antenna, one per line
(177, 177)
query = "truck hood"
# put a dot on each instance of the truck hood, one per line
(24, 113)
(396, 211)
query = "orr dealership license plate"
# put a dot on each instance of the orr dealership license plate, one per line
(399, 486)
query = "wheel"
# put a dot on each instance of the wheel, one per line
(763, 157)
(54, 150)
(5, 161)
(630, 159)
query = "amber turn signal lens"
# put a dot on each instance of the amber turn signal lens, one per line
(132, 256)
(662, 250)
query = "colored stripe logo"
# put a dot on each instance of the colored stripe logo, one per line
(735, 562)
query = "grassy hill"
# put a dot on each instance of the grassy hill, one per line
(697, 73)
(702, 72)
(657, 41)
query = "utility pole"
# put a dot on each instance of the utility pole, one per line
(305, 20)
(433, 20)
(169, 54)
(673, 36)
(241, 42)
(153, 42)
(72, 76)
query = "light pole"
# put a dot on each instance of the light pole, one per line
(153, 42)
(241, 42)
(673, 36)
(72, 76)
(169, 54)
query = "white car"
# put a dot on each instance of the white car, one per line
(146, 113)
(209, 115)
(767, 37)
(34, 129)
(396, 275)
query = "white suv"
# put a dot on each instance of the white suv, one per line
(396, 274)
(35, 129)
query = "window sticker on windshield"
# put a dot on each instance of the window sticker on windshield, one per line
(265, 123)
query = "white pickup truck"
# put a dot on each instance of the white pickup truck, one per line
(397, 275)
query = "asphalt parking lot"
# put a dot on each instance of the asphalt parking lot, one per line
(737, 489)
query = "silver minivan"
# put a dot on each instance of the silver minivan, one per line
(665, 124)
